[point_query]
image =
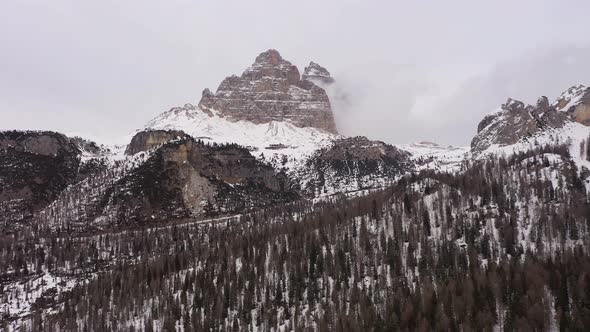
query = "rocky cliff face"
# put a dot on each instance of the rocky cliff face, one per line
(149, 139)
(575, 101)
(34, 168)
(515, 121)
(271, 90)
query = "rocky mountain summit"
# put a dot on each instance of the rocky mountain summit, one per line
(575, 101)
(255, 184)
(317, 74)
(271, 90)
(514, 121)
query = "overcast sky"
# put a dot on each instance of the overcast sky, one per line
(411, 70)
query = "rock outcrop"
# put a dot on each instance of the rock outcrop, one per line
(149, 139)
(354, 163)
(515, 121)
(317, 74)
(34, 168)
(575, 101)
(187, 178)
(360, 148)
(88, 147)
(271, 90)
(44, 143)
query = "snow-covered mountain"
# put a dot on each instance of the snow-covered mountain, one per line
(576, 102)
(316, 161)
(250, 209)
(516, 128)
(290, 140)
(432, 156)
(281, 133)
(278, 142)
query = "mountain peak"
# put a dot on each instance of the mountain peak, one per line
(271, 56)
(571, 96)
(543, 103)
(573, 91)
(317, 74)
(513, 104)
(271, 64)
(271, 89)
(575, 101)
(515, 121)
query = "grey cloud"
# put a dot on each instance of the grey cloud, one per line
(106, 67)
(543, 72)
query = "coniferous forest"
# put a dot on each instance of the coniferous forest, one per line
(308, 166)
(501, 245)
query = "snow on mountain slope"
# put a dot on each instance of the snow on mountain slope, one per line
(285, 145)
(572, 134)
(107, 148)
(352, 164)
(517, 127)
(82, 201)
(431, 156)
(571, 97)
(280, 143)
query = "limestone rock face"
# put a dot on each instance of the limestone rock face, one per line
(575, 101)
(271, 90)
(317, 74)
(148, 139)
(514, 121)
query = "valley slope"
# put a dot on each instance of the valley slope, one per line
(251, 212)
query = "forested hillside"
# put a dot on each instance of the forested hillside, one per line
(249, 212)
(502, 245)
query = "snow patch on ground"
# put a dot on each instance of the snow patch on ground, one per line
(21, 295)
(431, 156)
